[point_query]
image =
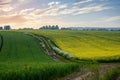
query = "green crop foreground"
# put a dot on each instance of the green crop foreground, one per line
(95, 45)
(22, 58)
(19, 47)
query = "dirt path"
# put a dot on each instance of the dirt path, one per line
(118, 77)
(106, 67)
(49, 51)
(87, 74)
(82, 73)
(44, 43)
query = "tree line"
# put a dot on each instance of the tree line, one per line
(49, 27)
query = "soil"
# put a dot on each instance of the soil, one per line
(89, 74)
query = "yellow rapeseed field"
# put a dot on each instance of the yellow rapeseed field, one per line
(86, 44)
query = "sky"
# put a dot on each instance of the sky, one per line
(65, 13)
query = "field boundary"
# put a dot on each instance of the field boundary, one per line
(52, 50)
(46, 46)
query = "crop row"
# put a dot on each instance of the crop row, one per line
(40, 71)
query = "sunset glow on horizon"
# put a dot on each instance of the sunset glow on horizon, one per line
(65, 13)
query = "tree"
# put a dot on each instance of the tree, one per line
(56, 27)
(53, 27)
(46, 27)
(50, 27)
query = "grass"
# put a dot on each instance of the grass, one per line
(22, 58)
(35, 71)
(112, 74)
(95, 45)
(19, 47)
(1, 42)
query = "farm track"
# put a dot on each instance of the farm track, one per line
(78, 75)
(83, 74)
(48, 49)
(118, 77)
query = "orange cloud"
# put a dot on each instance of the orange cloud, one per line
(12, 19)
(5, 5)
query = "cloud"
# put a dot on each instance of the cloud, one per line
(91, 8)
(104, 0)
(5, 5)
(12, 19)
(7, 8)
(23, 0)
(9, 5)
(11, 13)
(5, 1)
(64, 9)
(51, 10)
(76, 10)
(111, 19)
(54, 9)
(81, 1)
(53, 3)
(26, 11)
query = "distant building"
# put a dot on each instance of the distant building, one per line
(1, 28)
(7, 27)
